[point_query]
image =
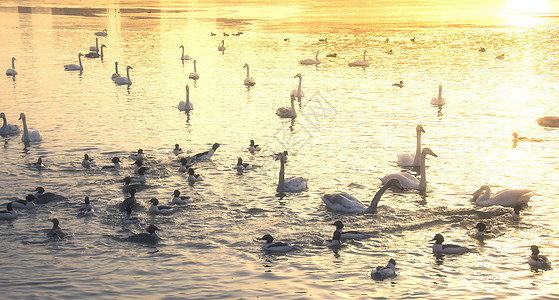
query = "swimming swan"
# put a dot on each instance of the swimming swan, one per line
(286, 112)
(124, 80)
(222, 47)
(12, 71)
(549, 121)
(407, 180)
(359, 63)
(344, 202)
(184, 56)
(298, 92)
(249, 81)
(412, 159)
(439, 100)
(74, 67)
(101, 33)
(506, 198)
(186, 105)
(291, 184)
(310, 61)
(194, 75)
(6, 128)
(33, 136)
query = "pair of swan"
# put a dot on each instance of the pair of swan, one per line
(101, 33)
(8, 129)
(407, 180)
(222, 47)
(184, 56)
(506, 198)
(290, 184)
(287, 112)
(12, 71)
(186, 106)
(298, 92)
(121, 80)
(344, 202)
(439, 100)
(194, 75)
(359, 63)
(249, 81)
(96, 54)
(412, 159)
(29, 136)
(74, 67)
(310, 61)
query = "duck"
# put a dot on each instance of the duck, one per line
(9, 213)
(389, 52)
(537, 261)
(41, 197)
(253, 147)
(128, 219)
(96, 47)
(249, 81)
(101, 33)
(130, 201)
(298, 92)
(115, 74)
(360, 63)
(96, 54)
(212, 34)
(177, 150)
(344, 202)
(323, 40)
(142, 177)
(399, 84)
(516, 212)
(332, 55)
(138, 164)
(206, 155)
(138, 155)
(439, 100)
(345, 235)
(222, 47)
(243, 166)
(116, 166)
(27, 203)
(39, 164)
(412, 159)
(501, 56)
(549, 121)
(412, 39)
(150, 237)
(128, 185)
(481, 50)
(291, 184)
(407, 180)
(482, 231)
(87, 162)
(506, 198)
(275, 247)
(194, 75)
(184, 165)
(74, 67)
(12, 71)
(178, 199)
(87, 209)
(335, 241)
(310, 61)
(287, 112)
(29, 136)
(124, 80)
(438, 246)
(186, 106)
(381, 273)
(194, 177)
(8, 129)
(158, 209)
(516, 138)
(184, 56)
(56, 232)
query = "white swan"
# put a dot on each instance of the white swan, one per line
(412, 159)
(287, 112)
(101, 33)
(96, 47)
(507, 198)
(194, 75)
(186, 105)
(439, 100)
(115, 74)
(549, 121)
(249, 81)
(12, 71)
(359, 63)
(33, 136)
(222, 47)
(124, 80)
(298, 92)
(6, 128)
(344, 202)
(291, 184)
(310, 61)
(409, 181)
(74, 67)
(184, 56)
(96, 54)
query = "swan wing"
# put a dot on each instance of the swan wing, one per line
(512, 197)
(295, 184)
(407, 180)
(342, 202)
(406, 159)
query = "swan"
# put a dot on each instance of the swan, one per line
(381, 273)
(101, 33)
(344, 202)
(95, 54)
(439, 100)
(481, 50)
(186, 105)
(506, 198)
(438, 246)
(310, 61)
(360, 63)
(33, 136)
(124, 80)
(502, 56)
(399, 84)
(288, 112)
(96, 47)
(115, 74)
(298, 92)
(276, 247)
(549, 121)
(249, 81)
(407, 180)
(6, 128)
(291, 184)
(332, 55)
(222, 47)
(12, 71)
(74, 67)
(412, 159)
(538, 261)
(194, 75)
(184, 56)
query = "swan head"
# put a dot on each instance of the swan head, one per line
(439, 239)
(79, 55)
(103, 45)
(480, 192)
(395, 183)
(515, 135)
(427, 150)
(245, 66)
(268, 238)
(338, 224)
(181, 46)
(13, 59)
(22, 116)
(187, 88)
(480, 226)
(419, 128)
(2, 115)
(152, 228)
(154, 201)
(128, 68)
(115, 160)
(86, 200)
(176, 193)
(298, 75)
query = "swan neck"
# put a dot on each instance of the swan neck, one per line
(300, 82)
(248, 72)
(486, 190)
(182, 52)
(187, 98)
(281, 180)
(13, 63)
(293, 111)
(116, 67)
(374, 203)
(440, 92)
(80, 60)
(4, 121)
(417, 149)
(25, 131)
(423, 178)
(364, 55)
(194, 66)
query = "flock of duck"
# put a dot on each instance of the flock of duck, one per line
(340, 202)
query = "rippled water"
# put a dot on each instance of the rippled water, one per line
(349, 129)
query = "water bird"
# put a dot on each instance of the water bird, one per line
(481, 50)
(275, 247)
(141, 176)
(253, 147)
(74, 67)
(212, 34)
(286, 39)
(96, 54)
(549, 121)
(150, 237)
(345, 235)
(178, 199)
(412, 159)
(439, 100)
(249, 81)
(43, 197)
(501, 56)
(482, 231)
(139, 155)
(390, 52)
(96, 47)
(115, 74)
(360, 63)
(101, 33)
(192, 177)
(39, 164)
(56, 232)
(130, 201)
(381, 273)
(344, 202)
(184, 56)
(115, 166)
(27, 203)
(9, 213)
(12, 71)
(124, 80)
(506, 198)
(186, 106)
(323, 40)
(178, 150)
(277, 156)
(128, 185)
(516, 212)
(194, 75)
(291, 184)
(413, 39)
(537, 261)
(399, 84)
(206, 155)
(407, 180)
(158, 209)
(287, 112)
(332, 55)
(439, 247)
(87, 162)
(128, 219)
(8, 129)
(335, 241)
(298, 92)
(29, 136)
(87, 209)
(242, 166)
(184, 165)
(225, 34)
(310, 61)
(222, 47)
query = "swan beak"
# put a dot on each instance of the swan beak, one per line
(433, 153)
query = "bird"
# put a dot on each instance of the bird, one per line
(290, 184)
(142, 177)
(507, 198)
(413, 39)
(549, 121)
(139, 155)
(323, 40)
(288, 112)
(332, 55)
(354, 235)
(8, 129)
(276, 156)
(212, 34)
(412, 159)
(275, 247)
(177, 151)
(27, 203)
(538, 261)
(194, 75)
(9, 213)
(128, 185)
(39, 164)
(501, 56)
(87, 162)
(186, 106)
(116, 166)
(12, 71)
(56, 232)
(150, 237)
(516, 212)
(517, 138)
(96, 47)
(253, 147)
(242, 166)
(389, 52)
(310, 61)
(439, 247)
(96, 54)
(101, 33)
(128, 219)
(138, 164)
(158, 209)
(360, 63)
(481, 50)
(335, 241)
(298, 92)
(29, 136)
(206, 155)
(222, 47)
(74, 67)
(184, 165)
(192, 177)
(482, 231)
(41, 197)
(344, 202)
(225, 34)
(87, 209)
(178, 199)
(124, 80)
(407, 180)
(115, 74)
(184, 56)
(130, 201)
(381, 273)
(249, 81)
(399, 84)
(439, 100)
